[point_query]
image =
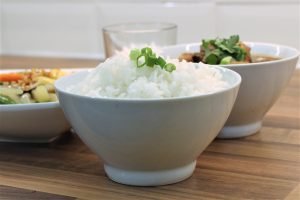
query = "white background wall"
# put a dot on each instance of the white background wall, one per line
(72, 28)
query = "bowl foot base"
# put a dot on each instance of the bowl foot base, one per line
(150, 178)
(240, 131)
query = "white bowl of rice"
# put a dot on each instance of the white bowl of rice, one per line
(148, 125)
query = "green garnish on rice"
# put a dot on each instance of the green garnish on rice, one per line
(146, 57)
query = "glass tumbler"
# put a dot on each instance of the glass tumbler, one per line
(119, 37)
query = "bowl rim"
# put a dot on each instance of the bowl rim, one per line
(137, 100)
(166, 26)
(297, 53)
(28, 106)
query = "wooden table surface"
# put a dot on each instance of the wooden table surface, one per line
(262, 166)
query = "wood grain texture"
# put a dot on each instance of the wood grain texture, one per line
(262, 166)
(8, 193)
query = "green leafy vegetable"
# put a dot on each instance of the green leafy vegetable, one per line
(6, 100)
(147, 57)
(223, 51)
(211, 59)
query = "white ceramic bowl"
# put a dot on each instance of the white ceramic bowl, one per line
(36, 122)
(261, 85)
(148, 142)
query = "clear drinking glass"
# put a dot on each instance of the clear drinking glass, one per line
(124, 36)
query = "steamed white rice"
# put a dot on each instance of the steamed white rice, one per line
(118, 77)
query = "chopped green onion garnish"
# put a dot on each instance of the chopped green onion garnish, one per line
(161, 62)
(140, 61)
(147, 57)
(147, 51)
(170, 67)
(151, 60)
(134, 53)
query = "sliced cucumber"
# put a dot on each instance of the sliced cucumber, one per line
(50, 88)
(26, 98)
(12, 93)
(53, 97)
(40, 94)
